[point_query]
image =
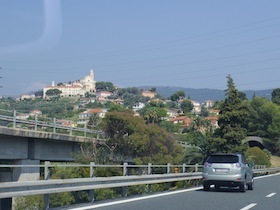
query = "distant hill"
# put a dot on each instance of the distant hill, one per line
(205, 94)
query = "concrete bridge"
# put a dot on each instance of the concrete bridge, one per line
(26, 143)
(26, 147)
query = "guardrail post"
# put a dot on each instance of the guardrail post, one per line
(71, 127)
(36, 122)
(124, 193)
(184, 168)
(196, 167)
(168, 168)
(46, 177)
(184, 171)
(91, 192)
(149, 173)
(14, 119)
(54, 121)
(85, 129)
(168, 172)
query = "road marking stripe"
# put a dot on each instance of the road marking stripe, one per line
(249, 206)
(266, 176)
(133, 199)
(270, 195)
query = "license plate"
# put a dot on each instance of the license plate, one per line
(221, 170)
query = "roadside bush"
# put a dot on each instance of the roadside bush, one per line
(258, 156)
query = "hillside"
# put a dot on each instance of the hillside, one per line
(275, 161)
(205, 94)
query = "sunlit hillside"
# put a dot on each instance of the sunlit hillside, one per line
(275, 160)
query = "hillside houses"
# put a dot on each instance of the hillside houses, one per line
(183, 120)
(85, 116)
(196, 107)
(138, 106)
(25, 116)
(103, 95)
(149, 94)
(89, 97)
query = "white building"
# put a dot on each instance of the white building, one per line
(138, 106)
(84, 116)
(87, 84)
(209, 103)
(196, 107)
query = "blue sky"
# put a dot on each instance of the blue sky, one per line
(192, 44)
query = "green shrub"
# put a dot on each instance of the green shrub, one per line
(257, 156)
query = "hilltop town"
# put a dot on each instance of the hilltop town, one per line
(88, 91)
(124, 113)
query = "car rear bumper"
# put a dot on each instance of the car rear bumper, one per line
(226, 180)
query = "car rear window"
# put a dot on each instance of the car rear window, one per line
(222, 159)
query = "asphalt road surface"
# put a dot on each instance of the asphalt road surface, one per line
(265, 196)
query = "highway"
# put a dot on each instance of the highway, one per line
(266, 195)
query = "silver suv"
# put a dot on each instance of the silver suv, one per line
(230, 170)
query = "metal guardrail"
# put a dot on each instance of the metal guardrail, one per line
(169, 173)
(49, 186)
(52, 123)
(24, 188)
(15, 189)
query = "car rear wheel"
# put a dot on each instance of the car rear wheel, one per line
(251, 185)
(242, 187)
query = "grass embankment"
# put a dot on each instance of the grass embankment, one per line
(275, 161)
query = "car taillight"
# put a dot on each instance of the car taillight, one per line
(206, 164)
(236, 165)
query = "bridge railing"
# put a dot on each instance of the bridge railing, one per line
(14, 119)
(147, 176)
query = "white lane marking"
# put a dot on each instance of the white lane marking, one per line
(249, 206)
(270, 195)
(134, 199)
(266, 176)
(159, 195)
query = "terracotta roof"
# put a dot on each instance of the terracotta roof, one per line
(93, 111)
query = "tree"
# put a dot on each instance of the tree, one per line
(232, 114)
(154, 114)
(204, 112)
(170, 126)
(199, 146)
(261, 111)
(186, 106)
(108, 86)
(176, 97)
(181, 94)
(94, 120)
(53, 92)
(130, 138)
(274, 133)
(275, 96)
(242, 95)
